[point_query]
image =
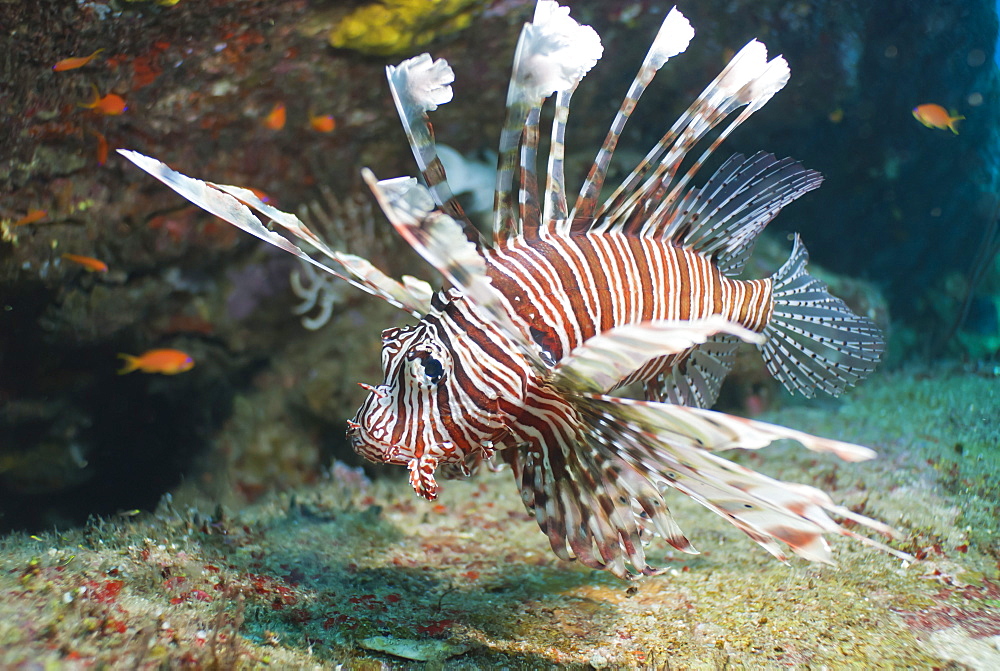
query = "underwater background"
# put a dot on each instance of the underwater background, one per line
(216, 516)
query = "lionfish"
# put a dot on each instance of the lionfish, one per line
(515, 361)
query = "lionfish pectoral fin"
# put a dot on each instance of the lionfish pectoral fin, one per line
(600, 364)
(674, 446)
(231, 204)
(441, 241)
(724, 218)
(813, 339)
(697, 382)
(593, 506)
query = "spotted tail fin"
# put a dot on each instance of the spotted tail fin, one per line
(813, 339)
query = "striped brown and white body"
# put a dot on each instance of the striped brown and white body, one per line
(566, 290)
(515, 360)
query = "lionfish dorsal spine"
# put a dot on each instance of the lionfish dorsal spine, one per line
(752, 96)
(418, 86)
(528, 215)
(673, 38)
(441, 241)
(554, 211)
(553, 54)
(750, 80)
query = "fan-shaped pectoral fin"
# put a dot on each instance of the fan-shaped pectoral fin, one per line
(231, 204)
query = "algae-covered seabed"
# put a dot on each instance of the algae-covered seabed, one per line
(362, 575)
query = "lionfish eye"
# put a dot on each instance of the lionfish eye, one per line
(433, 370)
(427, 370)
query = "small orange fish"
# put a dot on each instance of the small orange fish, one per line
(935, 116)
(264, 198)
(164, 361)
(102, 148)
(88, 262)
(111, 104)
(75, 62)
(32, 216)
(322, 123)
(275, 120)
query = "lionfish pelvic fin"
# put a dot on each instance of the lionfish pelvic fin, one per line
(593, 505)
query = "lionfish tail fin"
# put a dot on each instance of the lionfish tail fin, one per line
(673, 447)
(814, 341)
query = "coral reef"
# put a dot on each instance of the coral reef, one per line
(392, 27)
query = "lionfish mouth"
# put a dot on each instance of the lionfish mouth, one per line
(373, 450)
(421, 467)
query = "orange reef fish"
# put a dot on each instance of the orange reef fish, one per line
(111, 105)
(322, 123)
(275, 119)
(935, 116)
(75, 62)
(88, 262)
(32, 216)
(164, 361)
(102, 147)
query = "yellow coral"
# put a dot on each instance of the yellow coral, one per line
(399, 26)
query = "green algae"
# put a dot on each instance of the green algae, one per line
(321, 577)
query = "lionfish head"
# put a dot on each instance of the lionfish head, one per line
(419, 416)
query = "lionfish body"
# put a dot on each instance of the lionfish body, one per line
(516, 360)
